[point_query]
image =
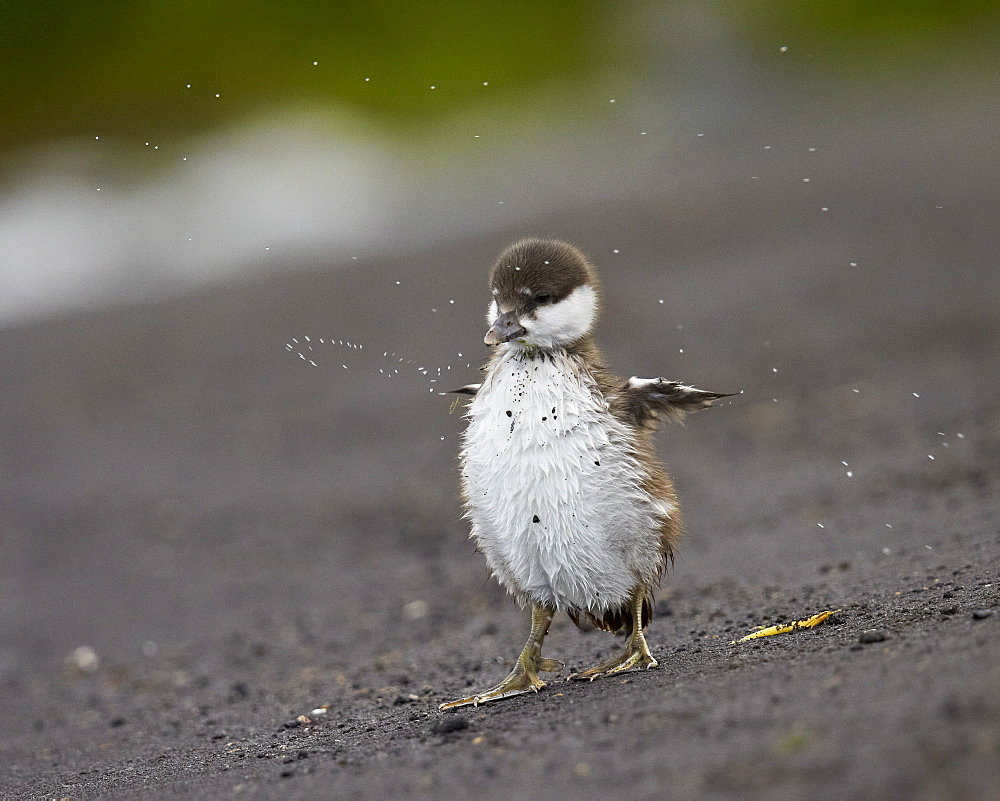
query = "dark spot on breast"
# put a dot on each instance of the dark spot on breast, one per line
(534, 519)
(544, 419)
(509, 413)
(597, 462)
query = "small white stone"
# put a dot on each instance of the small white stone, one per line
(415, 610)
(83, 660)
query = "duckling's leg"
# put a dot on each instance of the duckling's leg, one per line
(636, 654)
(524, 677)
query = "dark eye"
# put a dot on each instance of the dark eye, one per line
(543, 298)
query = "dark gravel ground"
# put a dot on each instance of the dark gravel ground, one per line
(242, 538)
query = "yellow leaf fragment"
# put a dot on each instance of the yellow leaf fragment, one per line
(787, 628)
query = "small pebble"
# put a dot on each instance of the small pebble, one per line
(871, 636)
(83, 661)
(982, 614)
(449, 725)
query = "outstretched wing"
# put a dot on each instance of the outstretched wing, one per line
(647, 401)
(468, 389)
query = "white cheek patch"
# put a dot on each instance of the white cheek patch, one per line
(565, 321)
(492, 313)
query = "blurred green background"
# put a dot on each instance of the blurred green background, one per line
(149, 146)
(71, 68)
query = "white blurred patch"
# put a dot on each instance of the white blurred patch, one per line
(246, 199)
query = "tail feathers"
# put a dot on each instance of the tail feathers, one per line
(617, 620)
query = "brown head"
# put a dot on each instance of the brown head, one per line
(545, 293)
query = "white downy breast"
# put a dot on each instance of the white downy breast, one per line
(554, 487)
